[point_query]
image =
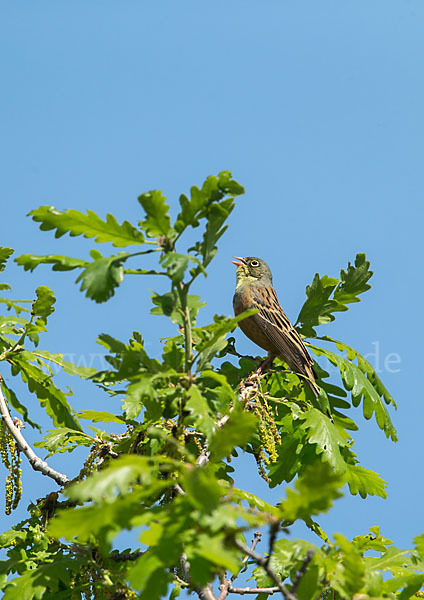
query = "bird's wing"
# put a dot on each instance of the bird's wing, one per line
(277, 327)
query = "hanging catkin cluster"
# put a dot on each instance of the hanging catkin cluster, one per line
(11, 459)
(266, 453)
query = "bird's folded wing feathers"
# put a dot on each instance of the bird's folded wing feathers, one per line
(277, 327)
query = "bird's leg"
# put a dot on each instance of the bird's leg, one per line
(265, 364)
(254, 376)
(251, 384)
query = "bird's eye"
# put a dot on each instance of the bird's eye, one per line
(254, 263)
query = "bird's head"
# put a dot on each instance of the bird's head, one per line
(252, 270)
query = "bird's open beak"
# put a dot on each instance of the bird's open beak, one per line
(239, 264)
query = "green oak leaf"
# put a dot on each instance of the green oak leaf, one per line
(101, 277)
(48, 394)
(202, 489)
(327, 295)
(327, 437)
(201, 415)
(43, 306)
(17, 405)
(351, 575)
(212, 191)
(314, 493)
(60, 263)
(362, 388)
(64, 439)
(5, 254)
(157, 222)
(238, 431)
(68, 367)
(364, 482)
(89, 225)
(120, 475)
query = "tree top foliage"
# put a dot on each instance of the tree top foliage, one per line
(187, 415)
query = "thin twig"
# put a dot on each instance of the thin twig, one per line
(275, 526)
(247, 590)
(181, 581)
(207, 593)
(262, 562)
(223, 420)
(203, 457)
(302, 570)
(185, 567)
(204, 593)
(124, 556)
(179, 489)
(35, 461)
(226, 584)
(224, 587)
(188, 341)
(256, 539)
(106, 450)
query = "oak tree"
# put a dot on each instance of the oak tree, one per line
(187, 416)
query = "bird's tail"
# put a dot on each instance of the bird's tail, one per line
(311, 381)
(312, 384)
(309, 376)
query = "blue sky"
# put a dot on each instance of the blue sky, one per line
(316, 108)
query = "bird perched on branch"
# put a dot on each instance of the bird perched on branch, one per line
(269, 328)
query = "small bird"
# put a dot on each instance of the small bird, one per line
(269, 328)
